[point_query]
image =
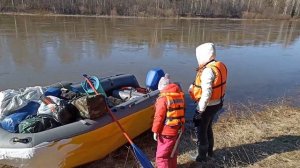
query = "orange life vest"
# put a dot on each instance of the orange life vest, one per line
(175, 108)
(219, 84)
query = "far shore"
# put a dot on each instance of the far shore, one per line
(135, 17)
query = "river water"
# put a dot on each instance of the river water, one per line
(262, 56)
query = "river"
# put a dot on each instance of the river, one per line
(262, 56)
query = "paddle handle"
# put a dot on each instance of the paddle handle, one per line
(176, 144)
(109, 111)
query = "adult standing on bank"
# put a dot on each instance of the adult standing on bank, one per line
(168, 122)
(208, 91)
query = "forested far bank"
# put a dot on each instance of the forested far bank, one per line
(252, 9)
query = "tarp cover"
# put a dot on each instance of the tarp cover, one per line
(12, 100)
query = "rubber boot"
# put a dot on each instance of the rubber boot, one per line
(202, 152)
(210, 153)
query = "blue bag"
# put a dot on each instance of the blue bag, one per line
(11, 122)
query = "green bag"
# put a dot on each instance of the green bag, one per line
(38, 124)
(91, 106)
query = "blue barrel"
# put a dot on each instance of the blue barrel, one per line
(153, 77)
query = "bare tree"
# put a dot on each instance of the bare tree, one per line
(194, 8)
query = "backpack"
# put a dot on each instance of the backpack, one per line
(91, 106)
(38, 124)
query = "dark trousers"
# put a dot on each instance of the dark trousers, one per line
(204, 131)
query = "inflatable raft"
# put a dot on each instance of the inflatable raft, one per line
(85, 140)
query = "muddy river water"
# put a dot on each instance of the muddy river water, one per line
(262, 56)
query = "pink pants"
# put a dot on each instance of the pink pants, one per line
(165, 146)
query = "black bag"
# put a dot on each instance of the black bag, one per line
(38, 124)
(91, 106)
(63, 112)
(68, 114)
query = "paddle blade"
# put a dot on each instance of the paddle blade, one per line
(145, 162)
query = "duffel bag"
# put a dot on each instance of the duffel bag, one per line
(91, 106)
(38, 124)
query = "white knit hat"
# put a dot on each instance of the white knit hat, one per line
(164, 81)
(205, 53)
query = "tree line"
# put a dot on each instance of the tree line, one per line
(255, 9)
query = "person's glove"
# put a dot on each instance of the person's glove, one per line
(155, 136)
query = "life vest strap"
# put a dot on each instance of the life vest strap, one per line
(198, 86)
(173, 109)
(197, 69)
(179, 123)
(172, 118)
(219, 85)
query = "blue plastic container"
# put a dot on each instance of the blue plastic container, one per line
(153, 77)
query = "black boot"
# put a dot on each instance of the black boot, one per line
(202, 152)
(210, 153)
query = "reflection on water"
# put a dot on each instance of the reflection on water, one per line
(42, 50)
